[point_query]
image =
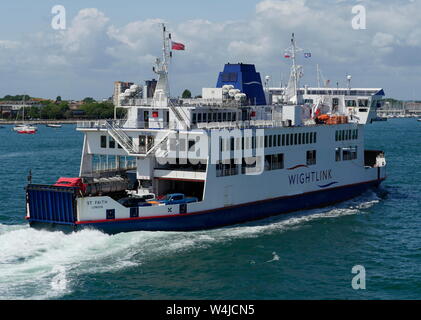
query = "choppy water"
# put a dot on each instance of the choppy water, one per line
(308, 255)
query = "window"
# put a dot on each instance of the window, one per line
(311, 157)
(274, 161)
(103, 141)
(350, 103)
(363, 103)
(191, 145)
(338, 154)
(199, 117)
(270, 141)
(295, 138)
(315, 137)
(283, 139)
(226, 168)
(194, 117)
(349, 153)
(205, 115)
(111, 143)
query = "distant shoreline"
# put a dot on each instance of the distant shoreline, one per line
(13, 122)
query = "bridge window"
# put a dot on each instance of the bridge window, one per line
(363, 103)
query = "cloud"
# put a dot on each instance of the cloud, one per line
(97, 50)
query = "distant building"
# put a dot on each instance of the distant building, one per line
(75, 105)
(120, 87)
(11, 108)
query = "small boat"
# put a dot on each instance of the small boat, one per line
(26, 129)
(50, 125)
(419, 119)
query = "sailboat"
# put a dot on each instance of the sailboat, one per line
(25, 128)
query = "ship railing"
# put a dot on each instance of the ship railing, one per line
(181, 115)
(240, 124)
(125, 124)
(136, 102)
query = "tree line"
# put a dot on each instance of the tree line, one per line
(59, 109)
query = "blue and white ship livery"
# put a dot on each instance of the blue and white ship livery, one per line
(222, 159)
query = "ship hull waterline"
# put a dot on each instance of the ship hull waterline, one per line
(220, 217)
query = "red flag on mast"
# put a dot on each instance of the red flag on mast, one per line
(177, 46)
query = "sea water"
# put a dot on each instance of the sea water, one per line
(303, 255)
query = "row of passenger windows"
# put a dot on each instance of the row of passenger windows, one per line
(344, 135)
(252, 164)
(269, 141)
(214, 117)
(343, 154)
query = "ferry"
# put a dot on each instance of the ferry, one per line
(234, 155)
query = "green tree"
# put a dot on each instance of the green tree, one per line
(186, 94)
(89, 100)
(33, 113)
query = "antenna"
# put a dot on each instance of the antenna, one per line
(318, 75)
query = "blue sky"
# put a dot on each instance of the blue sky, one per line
(107, 40)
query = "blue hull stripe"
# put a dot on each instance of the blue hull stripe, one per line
(232, 215)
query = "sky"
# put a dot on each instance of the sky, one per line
(105, 41)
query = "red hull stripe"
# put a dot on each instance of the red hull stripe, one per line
(223, 208)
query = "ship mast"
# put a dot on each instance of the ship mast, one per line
(162, 91)
(296, 73)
